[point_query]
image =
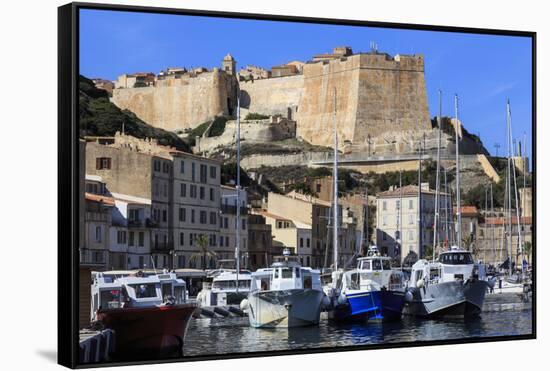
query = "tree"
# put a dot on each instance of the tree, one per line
(428, 251)
(527, 249)
(204, 252)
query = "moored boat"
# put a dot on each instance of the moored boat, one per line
(285, 295)
(149, 315)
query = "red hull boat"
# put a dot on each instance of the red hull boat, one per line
(151, 331)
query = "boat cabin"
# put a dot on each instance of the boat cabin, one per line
(135, 291)
(288, 275)
(378, 269)
(459, 264)
(225, 289)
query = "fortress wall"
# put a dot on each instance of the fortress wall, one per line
(392, 96)
(178, 104)
(272, 96)
(316, 109)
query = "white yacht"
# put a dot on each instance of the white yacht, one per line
(226, 288)
(285, 295)
(452, 285)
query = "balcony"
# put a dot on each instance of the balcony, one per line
(162, 246)
(150, 223)
(92, 257)
(230, 209)
(135, 224)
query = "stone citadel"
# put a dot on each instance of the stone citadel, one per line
(379, 97)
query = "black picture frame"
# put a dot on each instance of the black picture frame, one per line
(68, 176)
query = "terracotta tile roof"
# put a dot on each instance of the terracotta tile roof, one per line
(467, 210)
(501, 220)
(306, 198)
(272, 216)
(408, 190)
(109, 201)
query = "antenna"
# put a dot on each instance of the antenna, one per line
(497, 146)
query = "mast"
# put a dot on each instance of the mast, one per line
(420, 199)
(508, 188)
(366, 224)
(436, 216)
(520, 241)
(400, 227)
(238, 211)
(493, 224)
(446, 208)
(335, 187)
(458, 211)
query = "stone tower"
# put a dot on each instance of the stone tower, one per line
(229, 64)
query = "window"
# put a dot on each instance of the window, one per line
(193, 171)
(213, 217)
(301, 242)
(182, 167)
(183, 190)
(203, 217)
(203, 173)
(307, 243)
(411, 236)
(181, 261)
(193, 191)
(221, 240)
(384, 236)
(182, 214)
(243, 224)
(165, 168)
(286, 273)
(384, 220)
(181, 238)
(156, 165)
(202, 193)
(192, 215)
(141, 262)
(141, 239)
(317, 188)
(165, 190)
(134, 215)
(103, 163)
(131, 238)
(411, 204)
(121, 237)
(384, 205)
(212, 194)
(164, 215)
(411, 219)
(226, 223)
(397, 205)
(191, 238)
(213, 172)
(227, 241)
(98, 233)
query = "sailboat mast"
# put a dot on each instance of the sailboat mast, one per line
(436, 216)
(238, 209)
(420, 199)
(520, 241)
(508, 189)
(446, 207)
(458, 211)
(400, 216)
(493, 224)
(366, 224)
(335, 187)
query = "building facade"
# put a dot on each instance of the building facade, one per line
(398, 231)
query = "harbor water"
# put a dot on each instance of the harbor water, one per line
(503, 315)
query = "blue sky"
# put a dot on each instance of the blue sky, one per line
(484, 70)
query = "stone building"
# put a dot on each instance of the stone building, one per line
(526, 201)
(493, 245)
(97, 239)
(229, 65)
(228, 224)
(183, 190)
(253, 73)
(470, 217)
(316, 213)
(290, 234)
(260, 250)
(398, 210)
(196, 202)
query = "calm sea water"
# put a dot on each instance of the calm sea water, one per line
(501, 316)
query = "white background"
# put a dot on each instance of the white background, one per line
(28, 182)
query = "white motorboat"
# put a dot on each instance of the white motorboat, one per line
(226, 288)
(285, 295)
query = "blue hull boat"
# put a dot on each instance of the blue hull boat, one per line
(383, 305)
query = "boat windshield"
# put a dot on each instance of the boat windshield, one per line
(376, 265)
(146, 290)
(179, 293)
(457, 258)
(386, 264)
(111, 299)
(230, 285)
(286, 273)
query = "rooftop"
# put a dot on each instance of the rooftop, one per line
(408, 190)
(502, 220)
(106, 200)
(467, 210)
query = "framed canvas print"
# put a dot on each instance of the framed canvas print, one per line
(238, 185)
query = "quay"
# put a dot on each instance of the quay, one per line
(96, 346)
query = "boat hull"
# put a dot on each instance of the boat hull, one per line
(440, 299)
(285, 308)
(474, 292)
(382, 305)
(149, 332)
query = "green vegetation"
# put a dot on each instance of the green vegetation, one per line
(448, 128)
(140, 84)
(99, 117)
(255, 116)
(217, 129)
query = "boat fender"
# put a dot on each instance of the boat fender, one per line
(325, 303)
(244, 305)
(408, 296)
(342, 300)
(420, 283)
